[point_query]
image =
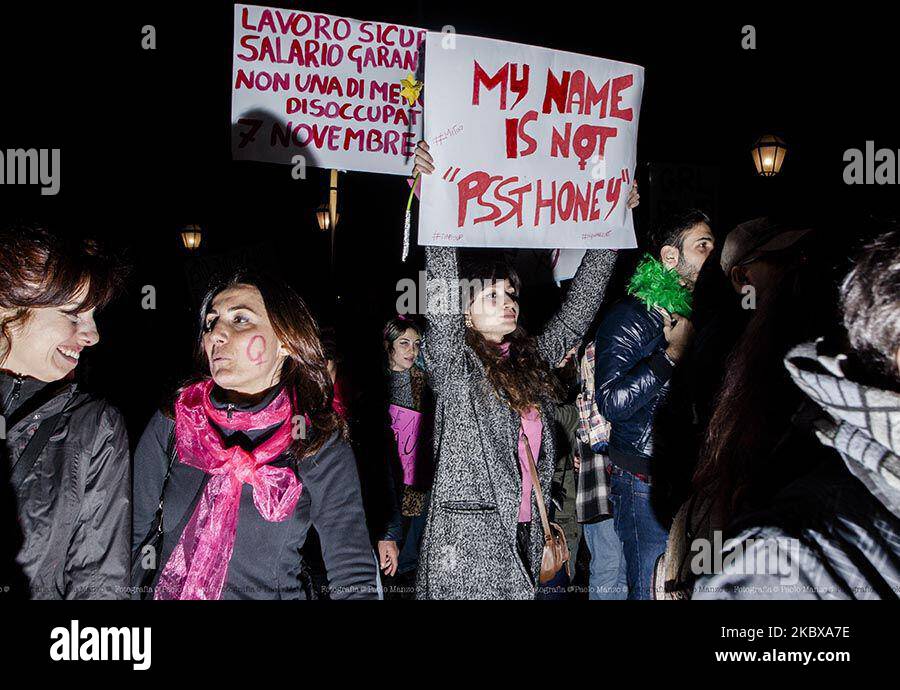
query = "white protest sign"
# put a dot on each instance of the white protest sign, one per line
(532, 147)
(324, 87)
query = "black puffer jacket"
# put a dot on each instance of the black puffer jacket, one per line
(73, 507)
(631, 376)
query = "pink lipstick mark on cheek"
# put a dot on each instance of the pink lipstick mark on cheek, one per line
(256, 348)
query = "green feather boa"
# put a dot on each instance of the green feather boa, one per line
(658, 286)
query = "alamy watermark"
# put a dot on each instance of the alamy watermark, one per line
(441, 296)
(448, 40)
(298, 427)
(77, 643)
(768, 556)
(31, 166)
(871, 166)
(148, 37)
(748, 37)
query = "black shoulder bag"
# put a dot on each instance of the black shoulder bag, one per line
(141, 577)
(29, 456)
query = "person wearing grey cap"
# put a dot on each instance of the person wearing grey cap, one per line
(758, 438)
(749, 253)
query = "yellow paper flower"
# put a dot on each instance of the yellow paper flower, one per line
(411, 89)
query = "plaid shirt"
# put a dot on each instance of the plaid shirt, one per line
(591, 502)
(593, 429)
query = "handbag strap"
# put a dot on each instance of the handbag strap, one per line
(170, 452)
(30, 455)
(536, 483)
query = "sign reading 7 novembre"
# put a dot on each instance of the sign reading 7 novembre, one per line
(324, 87)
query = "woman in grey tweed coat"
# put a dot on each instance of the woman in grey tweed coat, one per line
(470, 549)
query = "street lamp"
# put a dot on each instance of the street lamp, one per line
(191, 236)
(327, 215)
(323, 218)
(768, 155)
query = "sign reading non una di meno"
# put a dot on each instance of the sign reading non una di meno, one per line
(324, 87)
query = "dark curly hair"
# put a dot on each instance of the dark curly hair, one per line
(870, 301)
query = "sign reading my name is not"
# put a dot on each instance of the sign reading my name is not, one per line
(532, 147)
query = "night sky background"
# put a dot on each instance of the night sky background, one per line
(145, 146)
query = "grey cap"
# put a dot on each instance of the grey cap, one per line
(750, 240)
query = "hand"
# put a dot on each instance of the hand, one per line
(567, 358)
(388, 555)
(679, 331)
(424, 161)
(576, 460)
(633, 197)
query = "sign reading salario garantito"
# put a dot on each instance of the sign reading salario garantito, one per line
(324, 87)
(532, 147)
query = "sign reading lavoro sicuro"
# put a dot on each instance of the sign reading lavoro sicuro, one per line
(324, 87)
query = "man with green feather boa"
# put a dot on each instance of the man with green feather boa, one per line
(638, 345)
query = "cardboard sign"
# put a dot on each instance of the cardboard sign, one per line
(407, 425)
(532, 147)
(325, 88)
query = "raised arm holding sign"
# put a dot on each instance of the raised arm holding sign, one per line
(491, 382)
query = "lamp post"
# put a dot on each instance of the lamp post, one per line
(327, 215)
(768, 155)
(323, 218)
(191, 236)
(332, 200)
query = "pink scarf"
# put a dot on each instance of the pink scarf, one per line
(199, 564)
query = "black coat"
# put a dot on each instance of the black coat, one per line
(266, 562)
(377, 462)
(73, 506)
(631, 380)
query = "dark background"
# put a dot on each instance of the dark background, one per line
(145, 146)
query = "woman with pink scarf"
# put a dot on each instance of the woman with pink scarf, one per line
(228, 484)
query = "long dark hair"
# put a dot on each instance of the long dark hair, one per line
(38, 269)
(393, 329)
(522, 378)
(757, 399)
(304, 373)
